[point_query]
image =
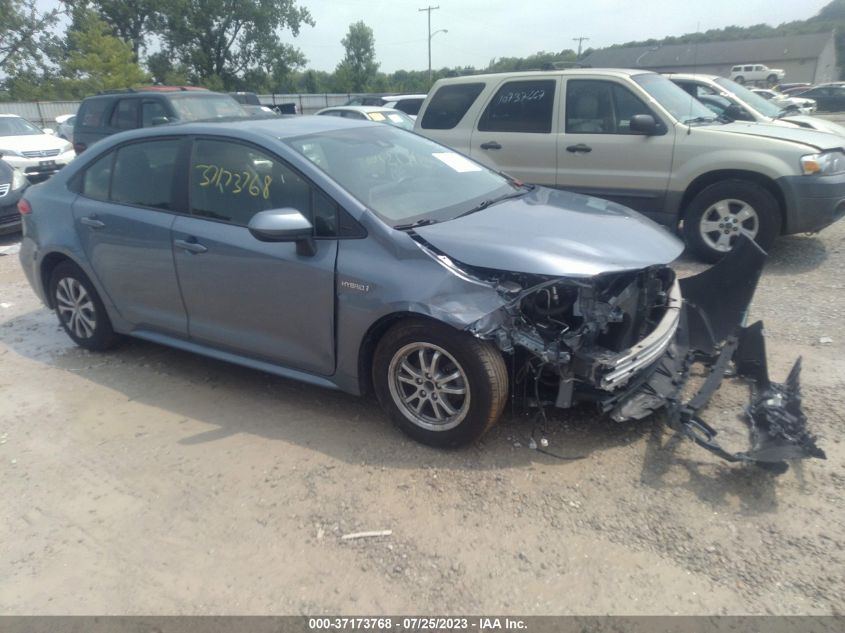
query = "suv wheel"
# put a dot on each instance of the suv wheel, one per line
(740, 80)
(722, 212)
(772, 79)
(79, 308)
(442, 387)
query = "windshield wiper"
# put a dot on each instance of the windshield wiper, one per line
(491, 201)
(413, 225)
(700, 120)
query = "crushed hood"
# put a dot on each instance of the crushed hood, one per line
(556, 233)
(811, 138)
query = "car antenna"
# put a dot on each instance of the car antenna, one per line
(694, 72)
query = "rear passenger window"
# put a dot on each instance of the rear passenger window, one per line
(520, 106)
(449, 105)
(143, 174)
(92, 113)
(409, 106)
(95, 183)
(125, 115)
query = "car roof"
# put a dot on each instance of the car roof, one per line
(693, 76)
(398, 97)
(361, 108)
(528, 74)
(276, 128)
(16, 116)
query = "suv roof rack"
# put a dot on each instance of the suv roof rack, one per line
(118, 91)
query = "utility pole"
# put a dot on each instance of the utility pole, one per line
(579, 40)
(429, 9)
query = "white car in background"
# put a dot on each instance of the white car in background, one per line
(751, 73)
(799, 104)
(36, 153)
(377, 114)
(65, 126)
(731, 101)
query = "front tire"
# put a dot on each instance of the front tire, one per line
(722, 212)
(772, 79)
(80, 311)
(740, 80)
(443, 387)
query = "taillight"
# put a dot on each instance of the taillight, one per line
(79, 148)
(24, 208)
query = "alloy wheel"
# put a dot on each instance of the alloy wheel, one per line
(75, 307)
(724, 221)
(428, 386)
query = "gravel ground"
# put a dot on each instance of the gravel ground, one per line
(152, 481)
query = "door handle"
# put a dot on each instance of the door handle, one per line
(92, 221)
(491, 145)
(580, 148)
(190, 245)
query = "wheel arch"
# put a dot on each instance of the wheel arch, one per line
(48, 264)
(371, 340)
(713, 177)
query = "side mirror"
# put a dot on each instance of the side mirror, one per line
(284, 225)
(49, 131)
(160, 120)
(643, 124)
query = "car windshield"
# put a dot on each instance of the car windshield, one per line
(402, 177)
(196, 107)
(755, 101)
(16, 126)
(677, 101)
(392, 117)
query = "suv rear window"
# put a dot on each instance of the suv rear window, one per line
(449, 105)
(520, 106)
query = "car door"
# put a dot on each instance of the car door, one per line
(123, 216)
(515, 131)
(600, 155)
(259, 299)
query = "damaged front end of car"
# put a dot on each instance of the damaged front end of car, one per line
(628, 341)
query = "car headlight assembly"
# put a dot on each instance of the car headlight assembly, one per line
(66, 147)
(824, 164)
(9, 152)
(18, 179)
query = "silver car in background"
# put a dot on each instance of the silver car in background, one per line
(359, 256)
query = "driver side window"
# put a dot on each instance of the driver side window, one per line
(231, 182)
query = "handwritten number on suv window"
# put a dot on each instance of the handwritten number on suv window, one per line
(234, 182)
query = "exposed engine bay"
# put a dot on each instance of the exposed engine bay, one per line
(626, 341)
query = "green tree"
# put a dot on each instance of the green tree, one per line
(25, 39)
(358, 67)
(98, 60)
(220, 40)
(133, 21)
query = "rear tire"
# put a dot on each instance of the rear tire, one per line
(443, 387)
(721, 212)
(80, 311)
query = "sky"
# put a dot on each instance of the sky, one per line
(480, 30)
